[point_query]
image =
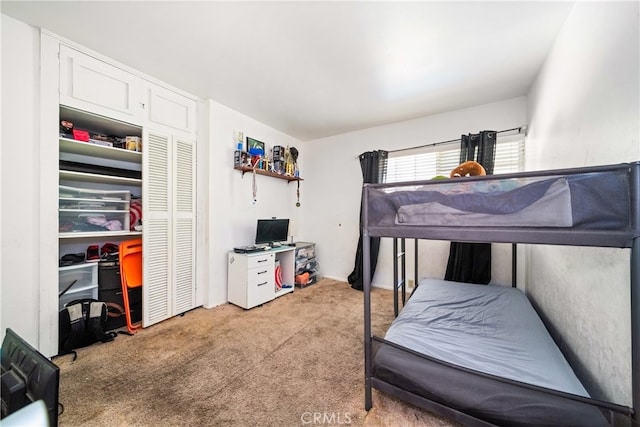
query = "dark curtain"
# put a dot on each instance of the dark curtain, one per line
(374, 171)
(471, 262)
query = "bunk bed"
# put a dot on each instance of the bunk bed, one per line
(480, 355)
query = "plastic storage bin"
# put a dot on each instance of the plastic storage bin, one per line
(306, 264)
(86, 204)
(77, 282)
(91, 221)
(77, 193)
(85, 210)
(305, 251)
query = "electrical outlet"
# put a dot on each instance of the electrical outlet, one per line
(410, 283)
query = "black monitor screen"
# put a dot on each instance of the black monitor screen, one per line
(272, 230)
(27, 376)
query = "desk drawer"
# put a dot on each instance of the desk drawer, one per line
(257, 276)
(256, 261)
(260, 285)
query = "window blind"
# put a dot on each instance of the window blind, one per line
(423, 163)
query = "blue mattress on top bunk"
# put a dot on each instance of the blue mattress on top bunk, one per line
(540, 204)
(588, 201)
(488, 329)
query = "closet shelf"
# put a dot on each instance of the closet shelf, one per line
(98, 234)
(245, 169)
(93, 177)
(94, 150)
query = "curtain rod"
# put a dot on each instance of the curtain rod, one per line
(520, 129)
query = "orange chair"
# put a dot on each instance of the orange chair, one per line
(130, 254)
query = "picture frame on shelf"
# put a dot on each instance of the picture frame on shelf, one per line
(255, 144)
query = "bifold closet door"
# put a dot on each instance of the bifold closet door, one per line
(168, 223)
(184, 272)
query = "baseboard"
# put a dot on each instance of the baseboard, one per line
(338, 279)
(387, 287)
(342, 279)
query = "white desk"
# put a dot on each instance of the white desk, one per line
(251, 279)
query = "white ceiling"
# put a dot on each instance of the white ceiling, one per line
(315, 69)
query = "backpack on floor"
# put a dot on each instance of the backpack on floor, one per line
(81, 323)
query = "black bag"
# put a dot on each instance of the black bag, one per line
(81, 323)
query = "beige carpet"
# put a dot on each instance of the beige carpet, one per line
(297, 360)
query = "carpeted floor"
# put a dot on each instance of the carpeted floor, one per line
(297, 360)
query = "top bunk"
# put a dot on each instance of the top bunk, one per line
(588, 206)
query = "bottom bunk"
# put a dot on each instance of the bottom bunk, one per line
(481, 352)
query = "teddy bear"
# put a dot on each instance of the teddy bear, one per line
(469, 168)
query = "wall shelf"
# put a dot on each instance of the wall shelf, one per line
(245, 169)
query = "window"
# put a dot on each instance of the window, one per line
(426, 162)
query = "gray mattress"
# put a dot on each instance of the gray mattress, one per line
(587, 206)
(490, 330)
(539, 204)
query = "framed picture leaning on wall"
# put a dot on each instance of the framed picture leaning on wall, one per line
(254, 144)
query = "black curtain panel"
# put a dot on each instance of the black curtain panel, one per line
(374, 171)
(471, 262)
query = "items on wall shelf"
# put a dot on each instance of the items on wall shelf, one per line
(245, 169)
(282, 162)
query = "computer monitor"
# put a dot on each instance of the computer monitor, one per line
(272, 231)
(27, 376)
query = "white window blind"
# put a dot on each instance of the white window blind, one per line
(426, 162)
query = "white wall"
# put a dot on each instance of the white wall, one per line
(331, 211)
(20, 296)
(232, 217)
(225, 203)
(583, 110)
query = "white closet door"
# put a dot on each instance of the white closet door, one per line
(184, 225)
(167, 109)
(156, 224)
(93, 85)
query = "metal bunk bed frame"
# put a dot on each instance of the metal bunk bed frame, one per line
(484, 234)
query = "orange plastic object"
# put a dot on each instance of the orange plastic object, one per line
(130, 254)
(302, 279)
